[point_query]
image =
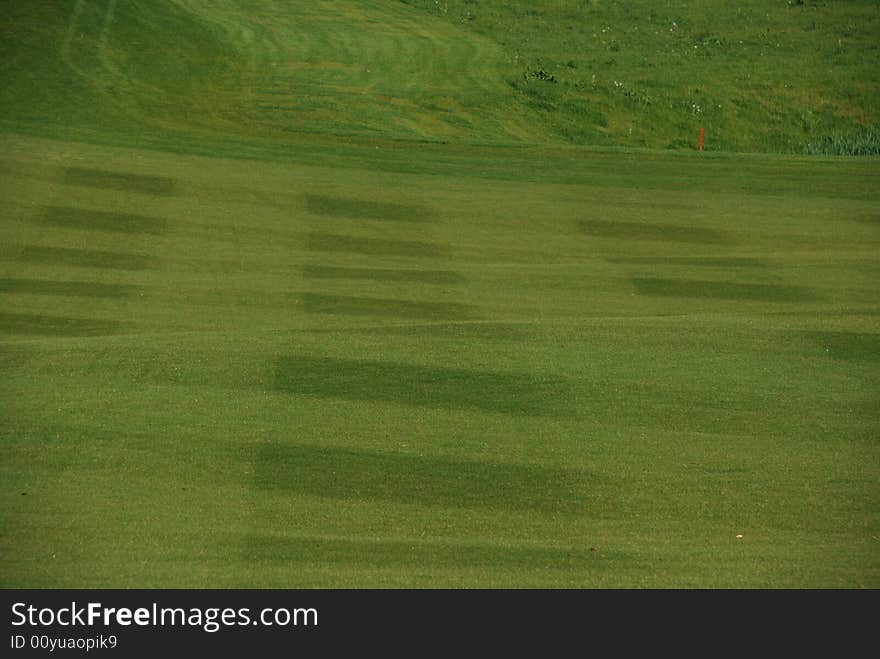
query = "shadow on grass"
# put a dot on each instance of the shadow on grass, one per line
(87, 258)
(654, 232)
(366, 210)
(330, 242)
(68, 288)
(98, 178)
(416, 385)
(723, 290)
(17, 323)
(383, 274)
(79, 218)
(471, 331)
(343, 305)
(419, 480)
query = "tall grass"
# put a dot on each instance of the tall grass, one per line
(865, 143)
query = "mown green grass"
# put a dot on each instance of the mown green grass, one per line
(528, 403)
(375, 333)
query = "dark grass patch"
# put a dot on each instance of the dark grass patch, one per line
(383, 274)
(723, 290)
(330, 242)
(695, 261)
(367, 210)
(471, 331)
(654, 232)
(98, 178)
(850, 346)
(393, 553)
(870, 220)
(68, 288)
(79, 218)
(415, 385)
(17, 323)
(368, 306)
(87, 258)
(420, 480)
(11, 358)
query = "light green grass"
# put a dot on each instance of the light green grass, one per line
(391, 336)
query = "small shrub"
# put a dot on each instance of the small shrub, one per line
(540, 74)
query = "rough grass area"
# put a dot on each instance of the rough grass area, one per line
(865, 143)
(757, 76)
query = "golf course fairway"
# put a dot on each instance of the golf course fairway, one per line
(310, 295)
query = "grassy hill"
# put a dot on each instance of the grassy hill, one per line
(758, 76)
(779, 76)
(386, 294)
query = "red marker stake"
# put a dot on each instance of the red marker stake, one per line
(701, 139)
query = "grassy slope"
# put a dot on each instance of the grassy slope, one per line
(450, 365)
(271, 72)
(758, 76)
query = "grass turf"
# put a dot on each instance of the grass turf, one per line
(340, 356)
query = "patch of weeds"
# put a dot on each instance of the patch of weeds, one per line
(540, 88)
(863, 143)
